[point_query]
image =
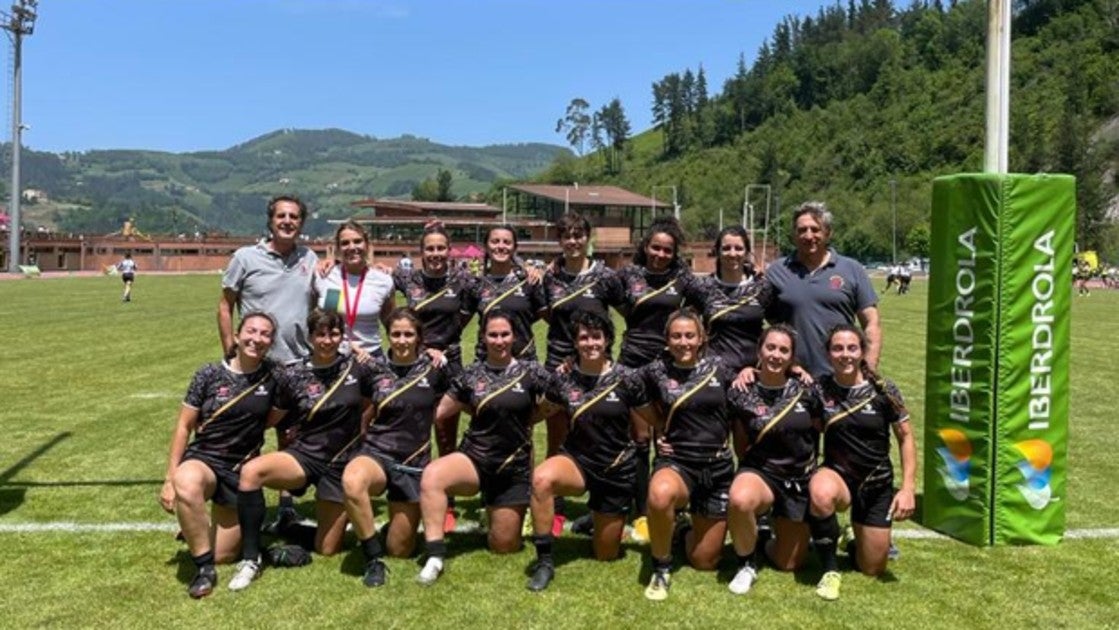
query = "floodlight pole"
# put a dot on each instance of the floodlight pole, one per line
(675, 204)
(20, 22)
(996, 149)
(894, 211)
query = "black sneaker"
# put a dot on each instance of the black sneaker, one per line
(374, 573)
(285, 517)
(541, 576)
(203, 583)
(584, 525)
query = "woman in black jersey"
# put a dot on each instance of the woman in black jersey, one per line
(596, 397)
(495, 456)
(437, 292)
(860, 410)
(506, 285)
(776, 439)
(573, 283)
(656, 285)
(736, 298)
(397, 446)
(326, 395)
(226, 409)
(694, 464)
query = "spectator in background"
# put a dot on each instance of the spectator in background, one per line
(405, 263)
(127, 269)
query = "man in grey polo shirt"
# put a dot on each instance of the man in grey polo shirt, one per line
(273, 276)
(815, 289)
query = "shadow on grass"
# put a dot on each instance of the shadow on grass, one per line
(11, 499)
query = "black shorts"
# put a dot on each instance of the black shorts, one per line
(326, 476)
(225, 492)
(708, 484)
(790, 496)
(611, 491)
(870, 502)
(504, 487)
(127, 277)
(402, 483)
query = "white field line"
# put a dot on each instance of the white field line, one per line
(464, 526)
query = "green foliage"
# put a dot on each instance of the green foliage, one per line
(225, 191)
(837, 104)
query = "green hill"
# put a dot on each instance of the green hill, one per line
(838, 104)
(226, 190)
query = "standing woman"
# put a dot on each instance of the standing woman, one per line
(226, 409)
(596, 398)
(506, 285)
(362, 294)
(694, 465)
(326, 396)
(396, 447)
(495, 456)
(437, 293)
(860, 410)
(655, 286)
(736, 298)
(776, 439)
(574, 283)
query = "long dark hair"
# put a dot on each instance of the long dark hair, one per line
(241, 324)
(662, 225)
(869, 373)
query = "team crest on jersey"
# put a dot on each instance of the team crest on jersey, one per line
(480, 387)
(223, 393)
(417, 293)
(673, 386)
(385, 383)
(574, 395)
(638, 286)
(314, 390)
(759, 410)
(557, 291)
(836, 282)
(487, 293)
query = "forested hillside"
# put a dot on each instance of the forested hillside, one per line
(92, 192)
(837, 105)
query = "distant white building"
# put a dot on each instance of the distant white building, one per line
(34, 195)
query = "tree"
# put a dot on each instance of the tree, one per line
(612, 120)
(917, 241)
(443, 186)
(576, 124)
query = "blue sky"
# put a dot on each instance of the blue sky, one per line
(208, 74)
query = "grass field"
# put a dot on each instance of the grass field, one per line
(91, 388)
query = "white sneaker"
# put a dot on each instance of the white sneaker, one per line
(433, 568)
(247, 571)
(743, 580)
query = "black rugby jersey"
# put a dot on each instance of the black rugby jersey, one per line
(232, 411)
(782, 428)
(648, 299)
(324, 406)
(857, 428)
(735, 315)
(694, 407)
(598, 412)
(439, 302)
(514, 295)
(502, 402)
(595, 290)
(405, 397)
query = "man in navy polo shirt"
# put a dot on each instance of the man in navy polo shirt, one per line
(815, 289)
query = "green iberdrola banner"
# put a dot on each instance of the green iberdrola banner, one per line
(996, 390)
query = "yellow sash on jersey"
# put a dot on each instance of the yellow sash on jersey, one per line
(421, 449)
(501, 390)
(777, 418)
(741, 302)
(587, 405)
(400, 390)
(233, 401)
(846, 412)
(509, 460)
(434, 296)
(575, 294)
(676, 405)
(330, 392)
(655, 293)
(501, 297)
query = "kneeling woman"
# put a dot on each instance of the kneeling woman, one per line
(397, 445)
(694, 464)
(595, 399)
(326, 396)
(226, 409)
(776, 437)
(495, 456)
(860, 410)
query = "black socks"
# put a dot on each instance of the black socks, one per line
(825, 535)
(250, 513)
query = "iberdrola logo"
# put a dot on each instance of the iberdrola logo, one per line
(956, 454)
(1035, 472)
